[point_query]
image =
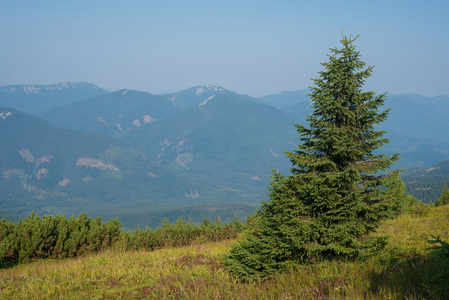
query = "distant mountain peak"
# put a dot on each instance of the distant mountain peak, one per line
(199, 90)
(197, 95)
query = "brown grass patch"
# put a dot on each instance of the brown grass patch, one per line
(191, 261)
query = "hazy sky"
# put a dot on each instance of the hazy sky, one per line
(251, 47)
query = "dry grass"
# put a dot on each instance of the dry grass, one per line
(403, 271)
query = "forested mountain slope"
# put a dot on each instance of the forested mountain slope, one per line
(426, 184)
(113, 114)
(228, 139)
(52, 170)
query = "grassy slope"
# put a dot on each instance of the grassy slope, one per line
(403, 271)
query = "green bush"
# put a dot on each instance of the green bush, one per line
(181, 233)
(59, 237)
(420, 210)
(55, 237)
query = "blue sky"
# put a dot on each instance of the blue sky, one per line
(251, 47)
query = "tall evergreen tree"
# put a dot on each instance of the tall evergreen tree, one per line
(338, 190)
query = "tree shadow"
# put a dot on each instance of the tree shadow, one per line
(8, 265)
(412, 277)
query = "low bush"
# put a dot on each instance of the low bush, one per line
(181, 233)
(59, 237)
(55, 237)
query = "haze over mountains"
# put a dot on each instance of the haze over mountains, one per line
(113, 114)
(416, 125)
(204, 151)
(57, 171)
(35, 98)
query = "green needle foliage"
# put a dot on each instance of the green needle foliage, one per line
(338, 191)
(444, 198)
(58, 237)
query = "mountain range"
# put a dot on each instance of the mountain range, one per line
(207, 128)
(204, 150)
(416, 125)
(35, 98)
(113, 114)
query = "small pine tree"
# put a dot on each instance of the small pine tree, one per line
(338, 191)
(444, 198)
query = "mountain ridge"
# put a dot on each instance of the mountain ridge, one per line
(228, 131)
(201, 94)
(35, 98)
(112, 114)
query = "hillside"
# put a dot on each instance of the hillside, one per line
(242, 138)
(426, 184)
(35, 98)
(113, 114)
(55, 171)
(406, 269)
(227, 139)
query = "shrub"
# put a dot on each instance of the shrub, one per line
(55, 237)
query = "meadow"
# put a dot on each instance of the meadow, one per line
(406, 269)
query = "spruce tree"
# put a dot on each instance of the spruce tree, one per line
(444, 198)
(338, 191)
